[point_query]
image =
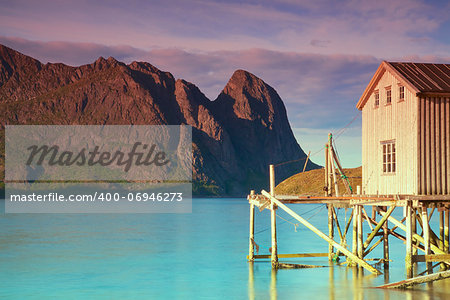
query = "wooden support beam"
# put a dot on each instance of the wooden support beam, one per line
(386, 244)
(426, 233)
(431, 213)
(273, 219)
(432, 257)
(378, 226)
(336, 222)
(415, 281)
(330, 231)
(327, 172)
(409, 241)
(433, 237)
(441, 235)
(306, 162)
(347, 253)
(446, 226)
(367, 218)
(341, 170)
(355, 231)
(344, 234)
(360, 233)
(347, 226)
(373, 247)
(333, 170)
(435, 249)
(251, 239)
(414, 229)
(292, 255)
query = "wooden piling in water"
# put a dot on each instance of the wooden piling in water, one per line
(415, 236)
(426, 235)
(330, 231)
(441, 234)
(327, 172)
(385, 244)
(347, 253)
(446, 231)
(360, 233)
(378, 226)
(251, 239)
(273, 219)
(355, 231)
(409, 241)
(333, 170)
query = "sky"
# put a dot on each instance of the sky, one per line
(318, 55)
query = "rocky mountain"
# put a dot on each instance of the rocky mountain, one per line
(235, 137)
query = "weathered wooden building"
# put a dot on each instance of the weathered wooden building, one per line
(406, 130)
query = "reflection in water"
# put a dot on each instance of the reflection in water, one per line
(273, 284)
(331, 283)
(251, 281)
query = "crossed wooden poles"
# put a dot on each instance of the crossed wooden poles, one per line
(435, 246)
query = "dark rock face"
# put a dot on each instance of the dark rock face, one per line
(235, 137)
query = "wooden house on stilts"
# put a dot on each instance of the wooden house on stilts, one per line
(406, 130)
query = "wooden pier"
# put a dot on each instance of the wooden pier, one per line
(375, 210)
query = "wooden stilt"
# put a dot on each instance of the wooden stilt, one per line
(409, 241)
(426, 235)
(414, 241)
(434, 239)
(360, 233)
(366, 252)
(441, 234)
(336, 224)
(435, 249)
(273, 285)
(333, 170)
(251, 240)
(355, 231)
(385, 244)
(446, 231)
(378, 226)
(347, 253)
(330, 231)
(251, 281)
(273, 219)
(327, 172)
(414, 228)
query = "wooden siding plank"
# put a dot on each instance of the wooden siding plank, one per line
(447, 129)
(443, 150)
(428, 145)
(422, 151)
(437, 145)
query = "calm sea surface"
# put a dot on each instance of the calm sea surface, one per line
(180, 256)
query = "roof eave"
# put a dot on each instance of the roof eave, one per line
(376, 77)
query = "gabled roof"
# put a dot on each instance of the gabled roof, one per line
(420, 78)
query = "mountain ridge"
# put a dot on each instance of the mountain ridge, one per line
(235, 136)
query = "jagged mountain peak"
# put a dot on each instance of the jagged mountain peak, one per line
(235, 137)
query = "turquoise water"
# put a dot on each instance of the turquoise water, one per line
(179, 256)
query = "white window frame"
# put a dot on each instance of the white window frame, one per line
(388, 157)
(401, 92)
(388, 95)
(377, 98)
